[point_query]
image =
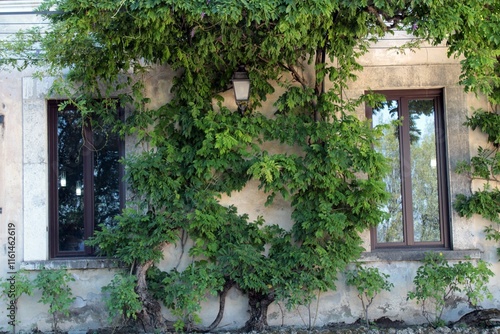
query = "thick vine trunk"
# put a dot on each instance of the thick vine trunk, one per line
(150, 315)
(222, 303)
(259, 303)
(481, 318)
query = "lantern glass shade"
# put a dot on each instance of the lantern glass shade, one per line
(241, 90)
(241, 85)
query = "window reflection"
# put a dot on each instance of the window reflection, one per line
(413, 140)
(70, 142)
(412, 180)
(391, 229)
(88, 154)
(106, 175)
(423, 171)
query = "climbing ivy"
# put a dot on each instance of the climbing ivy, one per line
(485, 167)
(197, 149)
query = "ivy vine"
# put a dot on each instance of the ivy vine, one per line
(484, 166)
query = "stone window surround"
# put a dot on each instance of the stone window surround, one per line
(35, 168)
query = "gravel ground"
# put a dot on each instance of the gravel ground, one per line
(346, 329)
(331, 330)
(407, 330)
(476, 322)
(362, 329)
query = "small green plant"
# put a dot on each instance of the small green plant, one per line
(55, 292)
(122, 299)
(186, 290)
(437, 282)
(11, 289)
(369, 282)
(308, 303)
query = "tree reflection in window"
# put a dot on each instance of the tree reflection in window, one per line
(410, 144)
(88, 156)
(423, 171)
(106, 175)
(391, 229)
(70, 156)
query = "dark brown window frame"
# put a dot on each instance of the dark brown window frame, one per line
(402, 96)
(88, 184)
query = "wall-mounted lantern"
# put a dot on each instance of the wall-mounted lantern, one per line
(241, 87)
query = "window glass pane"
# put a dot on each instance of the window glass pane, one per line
(424, 171)
(106, 175)
(391, 229)
(70, 187)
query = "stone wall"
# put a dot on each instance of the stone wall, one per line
(24, 195)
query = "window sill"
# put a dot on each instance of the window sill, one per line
(393, 255)
(75, 264)
(375, 256)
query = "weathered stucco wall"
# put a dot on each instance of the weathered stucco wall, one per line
(88, 311)
(24, 197)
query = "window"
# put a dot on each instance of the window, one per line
(85, 187)
(414, 142)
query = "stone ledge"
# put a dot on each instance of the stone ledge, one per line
(75, 264)
(393, 255)
(375, 256)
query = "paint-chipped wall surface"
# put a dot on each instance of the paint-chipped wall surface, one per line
(24, 187)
